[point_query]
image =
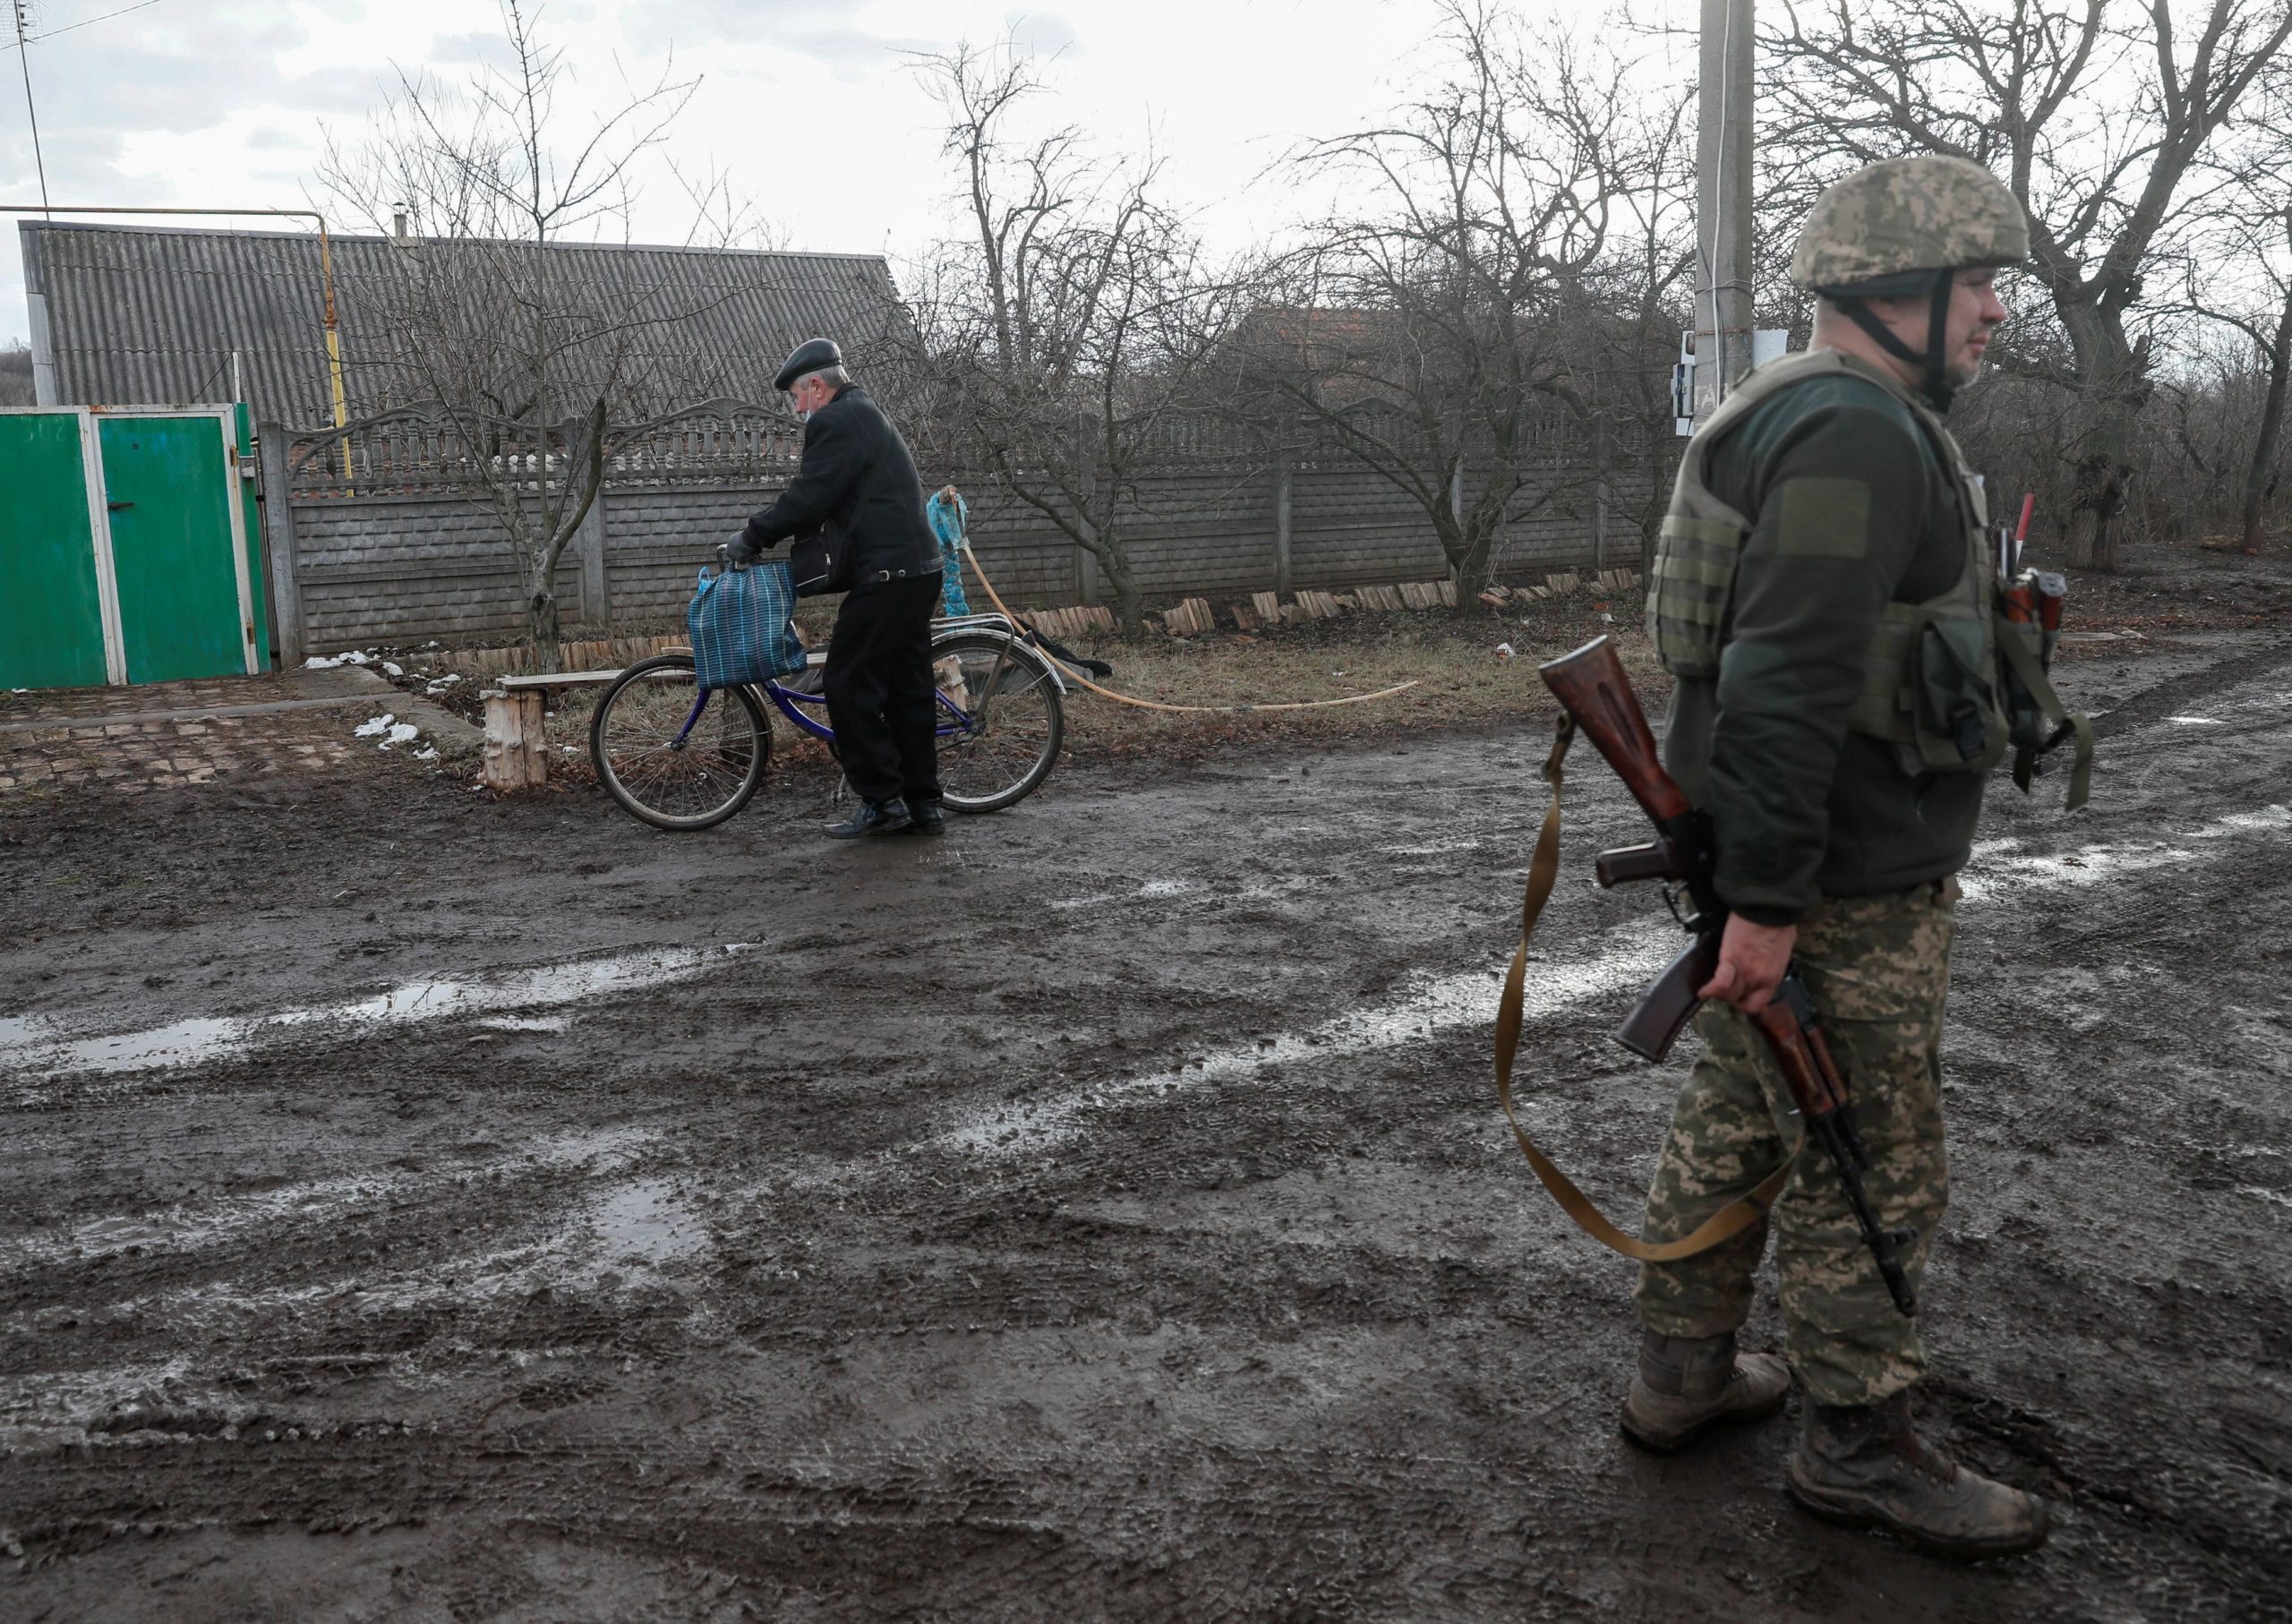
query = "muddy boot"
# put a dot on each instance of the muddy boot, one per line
(1685, 1383)
(1867, 1467)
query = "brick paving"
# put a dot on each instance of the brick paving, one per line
(137, 738)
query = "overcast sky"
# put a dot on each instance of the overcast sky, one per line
(808, 105)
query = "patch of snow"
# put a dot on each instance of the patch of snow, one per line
(368, 729)
(393, 669)
(321, 663)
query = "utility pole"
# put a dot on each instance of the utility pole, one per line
(23, 13)
(1722, 213)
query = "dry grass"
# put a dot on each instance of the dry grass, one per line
(1462, 682)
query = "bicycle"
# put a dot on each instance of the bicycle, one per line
(668, 762)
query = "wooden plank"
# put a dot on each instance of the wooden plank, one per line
(556, 680)
(1267, 604)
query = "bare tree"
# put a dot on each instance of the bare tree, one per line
(1448, 332)
(528, 360)
(1061, 336)
(2101, 117)
(16, 376)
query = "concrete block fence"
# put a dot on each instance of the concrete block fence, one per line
(351, 571)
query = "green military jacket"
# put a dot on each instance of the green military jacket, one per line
(1851, 510)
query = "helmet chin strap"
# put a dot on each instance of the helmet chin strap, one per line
(1934, 362)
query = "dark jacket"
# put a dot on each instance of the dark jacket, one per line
(1803, 808)
(858, 482)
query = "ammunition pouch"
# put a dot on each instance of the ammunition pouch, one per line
(2037, 721)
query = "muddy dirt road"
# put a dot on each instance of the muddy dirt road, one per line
(422, 1208)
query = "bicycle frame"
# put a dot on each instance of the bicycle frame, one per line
(796, 706)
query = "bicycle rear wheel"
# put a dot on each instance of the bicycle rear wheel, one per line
(1000, 719)
(672, 756)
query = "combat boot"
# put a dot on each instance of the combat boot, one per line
(1684, 1383)
(1867, 1467)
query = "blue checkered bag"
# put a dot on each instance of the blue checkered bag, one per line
(739, 625)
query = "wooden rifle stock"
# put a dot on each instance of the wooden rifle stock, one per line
(1590, 685)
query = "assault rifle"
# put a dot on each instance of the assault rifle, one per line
(1592, 689)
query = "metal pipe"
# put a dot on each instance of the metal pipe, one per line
(326, 284)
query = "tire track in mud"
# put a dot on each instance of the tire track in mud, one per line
(1286, 1343)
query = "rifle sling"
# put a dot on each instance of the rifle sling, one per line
(1724, 1225)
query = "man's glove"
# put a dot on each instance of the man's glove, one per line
(742, 550)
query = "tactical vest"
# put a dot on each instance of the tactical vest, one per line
(1935, 678)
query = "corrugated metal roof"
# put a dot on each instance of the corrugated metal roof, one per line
(143, 315)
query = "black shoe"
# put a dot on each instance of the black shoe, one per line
(872, 818)
(925, 818)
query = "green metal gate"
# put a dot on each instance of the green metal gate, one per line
(128, 551)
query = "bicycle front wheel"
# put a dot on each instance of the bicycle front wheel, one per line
(1000, 719)
(675, 756)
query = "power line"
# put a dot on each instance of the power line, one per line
(23, 5)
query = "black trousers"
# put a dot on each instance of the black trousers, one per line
(880, 697)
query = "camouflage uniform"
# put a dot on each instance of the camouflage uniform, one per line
(1805, 517)
(1823, 595)
(1879, 967)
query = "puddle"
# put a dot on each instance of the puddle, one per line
(33, 1048)
(120, 1234)
(645, 1221)
(192, 1227)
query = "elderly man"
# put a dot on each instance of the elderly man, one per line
(857, 483)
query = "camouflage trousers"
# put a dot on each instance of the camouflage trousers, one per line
(1879, 967)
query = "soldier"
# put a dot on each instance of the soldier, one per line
(1825, 555)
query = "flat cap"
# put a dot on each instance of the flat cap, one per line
(812, 355)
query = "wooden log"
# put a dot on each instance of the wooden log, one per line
(517, 743)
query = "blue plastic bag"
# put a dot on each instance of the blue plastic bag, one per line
(948, 522)
(739, 625)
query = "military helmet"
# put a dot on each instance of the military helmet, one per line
(1885, 230)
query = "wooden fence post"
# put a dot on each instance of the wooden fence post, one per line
(589, 547)
(1282, 495)
(517, 743)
